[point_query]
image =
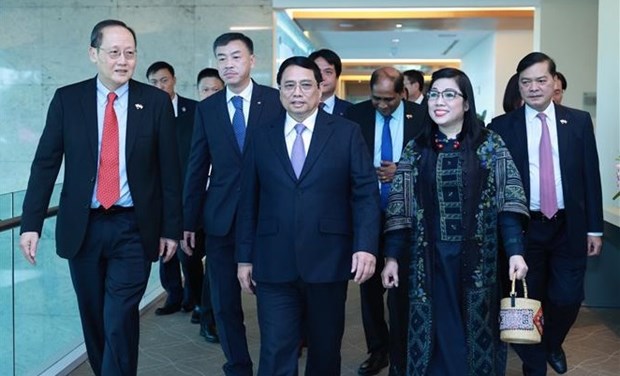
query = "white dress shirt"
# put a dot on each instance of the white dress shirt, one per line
(329, 104)
(397, 131)
(120, 107)
(290, 134)
(534, 132)
(246, 94)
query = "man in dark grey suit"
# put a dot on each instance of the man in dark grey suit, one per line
(308, 221)
(120, 206)
(223, 124)
(386, 107)
(555, 151)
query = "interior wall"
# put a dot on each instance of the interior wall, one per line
(44, 44)
(479, 66)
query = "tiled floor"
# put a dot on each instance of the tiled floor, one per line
(170, 345)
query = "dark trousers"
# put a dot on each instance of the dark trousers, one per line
(226, 299)
(170, 278)
(285, 310)
(556, 278)
(379, 338)
(193, 272)
(109, 275)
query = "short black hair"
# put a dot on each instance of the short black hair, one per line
(512, 95)
(535, 58)
(330, 56)
(226, 38)
(414, 75)
(397, 78)
(300, 61)
(158, 65)
(562, 79)
(209, 72)
(96, 35)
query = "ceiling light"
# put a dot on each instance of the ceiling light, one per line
(395, 40)
(345, 25)
(398, 26)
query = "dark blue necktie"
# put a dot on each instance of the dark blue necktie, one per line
(386, 155)
(238, 121)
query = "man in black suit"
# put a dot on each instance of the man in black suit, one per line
(555, 151)
(306, 222)
(403, 119)
(414, 84)
(223, 123)
(331, 67)
(120, 206)
(180, 296)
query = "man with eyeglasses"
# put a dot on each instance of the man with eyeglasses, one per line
(308, 222)
(222, 122)
(388, 122)
(120, 206)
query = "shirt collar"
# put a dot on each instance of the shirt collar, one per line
(289, 124)
(330, 102)
(530, 113)
(246, 93)
(120, 91)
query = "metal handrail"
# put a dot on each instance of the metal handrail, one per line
(7, 224)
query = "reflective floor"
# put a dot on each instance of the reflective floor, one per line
(170, 345)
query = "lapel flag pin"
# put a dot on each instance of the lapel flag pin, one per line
(139, 106)
(183, 109)
(408, 116)
(563, 121)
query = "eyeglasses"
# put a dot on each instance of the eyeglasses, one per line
(448, 95)
(305, 86)
(115, 53)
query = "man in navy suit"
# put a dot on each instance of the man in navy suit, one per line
(566, 211)
(120, 205)
(405, 122)
(308, 219)
(223, 124)
(161, 75)
(331, 67)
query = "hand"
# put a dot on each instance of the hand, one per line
(363, 265)
(188, 243)
(167, 248)
(386, 172)
(28, 243)
(389, 275)
(595, 244)
(244, 274)
(517, 267)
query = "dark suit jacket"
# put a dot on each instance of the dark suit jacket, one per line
(363, 113)
(581, 180)
(307, 228)
(214, 144)
(184, 126)
(152, 166)
(341, 106)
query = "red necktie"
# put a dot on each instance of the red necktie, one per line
(108, 180)
(548, 197)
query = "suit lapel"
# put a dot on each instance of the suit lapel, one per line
(521, 155)
(409, 131)
(367, 123)
(89, 108)
(564, 146)
(322, 131)
(135, 105)
(278, 145)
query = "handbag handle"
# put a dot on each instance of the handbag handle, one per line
(513, 293)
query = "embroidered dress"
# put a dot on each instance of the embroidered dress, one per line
(443, 210)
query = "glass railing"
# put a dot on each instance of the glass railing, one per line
(39, 319)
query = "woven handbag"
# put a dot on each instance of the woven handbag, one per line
(520, 319)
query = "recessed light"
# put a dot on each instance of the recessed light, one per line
(398, 26)
(345, 25)
(395, 40)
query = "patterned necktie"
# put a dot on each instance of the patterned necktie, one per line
(298, 153)
(548, 197)
(238, 121)
(386, 155)
(108, 180)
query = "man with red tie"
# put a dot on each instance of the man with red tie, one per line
(120, 206)
(555, 151)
